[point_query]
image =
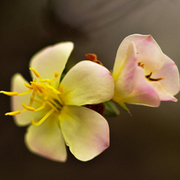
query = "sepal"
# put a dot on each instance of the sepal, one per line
(111, 109)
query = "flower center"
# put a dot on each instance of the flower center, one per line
(140, 64)
(43, 93)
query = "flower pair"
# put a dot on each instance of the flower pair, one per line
(56, 107)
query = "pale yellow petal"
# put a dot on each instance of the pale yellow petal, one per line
(51, 59)
(24, 118)
(87, 83)
(85, 131)
(46, 140)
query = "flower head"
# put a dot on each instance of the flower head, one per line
(55, 110)
(143, 74)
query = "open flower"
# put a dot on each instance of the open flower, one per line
(143, 74)
(55, 110)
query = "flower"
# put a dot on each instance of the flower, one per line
(55, 110)
(143, 74)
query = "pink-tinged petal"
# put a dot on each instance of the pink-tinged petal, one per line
(87, 83)
(85, 131)
(162, 93)
(170, 74)
(51, 59)
(149, 52)
(24, 118)
(124, 81)
(142, 94)
(46, 140)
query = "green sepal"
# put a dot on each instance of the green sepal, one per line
(111, 109)
(124, 107)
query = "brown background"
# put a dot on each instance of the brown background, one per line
(145, 146)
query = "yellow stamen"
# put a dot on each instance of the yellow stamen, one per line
(43, 119)
(13, 113)
(53, 89)
(54, 105)
(35, 72)
(32, 98)
(34, 80)
(38, 87)
(28, 85)
(37, 101)
(46, 95)
(24, 93)
(44, 80)
(61, 89)
(9, 93)
(28, 107)
(56, 74)
(41, 107)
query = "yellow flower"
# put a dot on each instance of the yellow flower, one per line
(54, 109)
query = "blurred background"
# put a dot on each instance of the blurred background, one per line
(145, 146)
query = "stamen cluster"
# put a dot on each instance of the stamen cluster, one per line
(43, 93)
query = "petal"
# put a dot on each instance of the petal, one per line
(51, 59)
(87, 83)
(162, 93)
(149, 52)
(124, 82)
(85, 131)
(143, 92)
(24, 118)
(169, 73)
(46, 140)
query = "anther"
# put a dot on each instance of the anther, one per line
(9, 93)
(151, 79)
(13, 113)
(53, 89)
(35, 72)
(140, 64)
(148, 76)
(39, 87)
(28, 85)
(56, 74)
(28, 107)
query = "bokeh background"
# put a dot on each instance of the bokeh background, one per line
(145, 146)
